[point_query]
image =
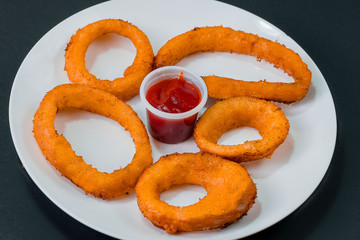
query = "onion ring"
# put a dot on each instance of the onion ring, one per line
(59, 153)
(210, 39)
(232, 113)
(230, 192)
(124, 88)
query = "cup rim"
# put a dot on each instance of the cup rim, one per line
(189, 75)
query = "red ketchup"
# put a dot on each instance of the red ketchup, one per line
(174, 95)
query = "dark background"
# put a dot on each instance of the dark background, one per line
(327, 30)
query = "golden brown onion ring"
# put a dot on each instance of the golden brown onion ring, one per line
(210, 39)
(59, 153)
(230, 192)
(124, 88)
(232, 113)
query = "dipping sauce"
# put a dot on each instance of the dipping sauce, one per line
(174, 95)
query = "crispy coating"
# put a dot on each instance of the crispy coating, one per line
(124, 88)
(210, 39)
(59, 153)
(232, 113)
(230, 192)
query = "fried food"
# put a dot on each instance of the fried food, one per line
(232, 113)
(230, 192)
(124, 88)
(60, 154)
(210, 39)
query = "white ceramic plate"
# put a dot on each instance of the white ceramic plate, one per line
(284, 182)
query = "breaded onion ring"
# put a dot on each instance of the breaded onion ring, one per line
(232, 113)
(124, 88)
(59, 153)
(230, 192)
(210, 39)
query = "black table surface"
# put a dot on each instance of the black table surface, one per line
(327, 30)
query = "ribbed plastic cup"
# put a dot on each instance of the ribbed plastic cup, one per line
(172, 127)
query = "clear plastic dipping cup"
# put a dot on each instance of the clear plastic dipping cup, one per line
(172, 127)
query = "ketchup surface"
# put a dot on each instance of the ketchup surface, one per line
(174, 95)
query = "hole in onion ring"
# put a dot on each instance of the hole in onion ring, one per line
(234, 65)
(183, 194)
(108, 56)
(101, 141)
(239, 136)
